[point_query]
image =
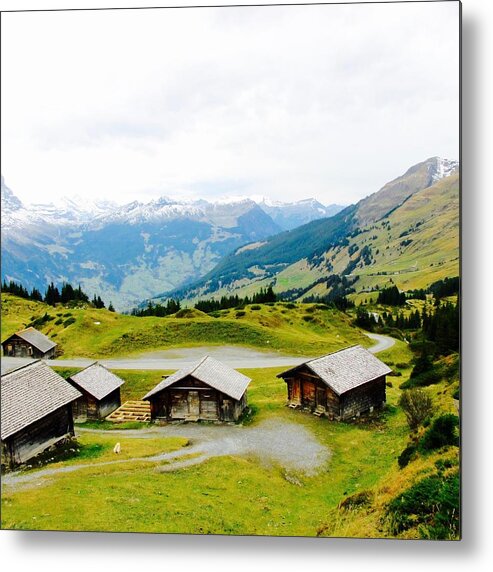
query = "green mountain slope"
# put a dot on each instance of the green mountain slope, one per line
(390, 235)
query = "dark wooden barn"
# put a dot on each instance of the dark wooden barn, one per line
(341, 385)
(29, 343)
(100, 390)
(205, 391)
(36, 411)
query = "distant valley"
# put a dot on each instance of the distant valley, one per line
(134, 252)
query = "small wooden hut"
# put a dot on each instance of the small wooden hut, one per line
(36, 411)
(29, 343)
(100, 390)
(208, 390)
(340, 385)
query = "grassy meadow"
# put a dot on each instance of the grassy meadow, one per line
(309, 329)
(239, 494)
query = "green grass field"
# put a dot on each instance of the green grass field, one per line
(234, 495)
(298, 329)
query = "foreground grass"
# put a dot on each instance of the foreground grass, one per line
(235, 495)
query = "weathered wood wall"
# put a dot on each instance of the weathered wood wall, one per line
(363, 399)
(308, 392)
(88, 407)
(38, 436)
(17, 347)
(193, 400)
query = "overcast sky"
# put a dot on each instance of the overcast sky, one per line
(286, 102)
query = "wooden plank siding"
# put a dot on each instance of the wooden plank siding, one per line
(17, 347)
(312, 394)
(192, 400)
(38, 436)
(88, 407)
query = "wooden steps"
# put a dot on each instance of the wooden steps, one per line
(131, 411)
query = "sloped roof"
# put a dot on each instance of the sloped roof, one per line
(36, 338)
(346, 369)
(31, 392)
(97, 380)
(212, 372)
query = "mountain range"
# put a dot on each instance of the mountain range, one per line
(407, 234)
(133, 252)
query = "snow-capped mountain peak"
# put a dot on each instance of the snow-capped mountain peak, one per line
(443, 168)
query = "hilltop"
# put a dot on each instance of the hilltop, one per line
(308, 329)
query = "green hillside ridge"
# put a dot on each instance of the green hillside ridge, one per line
(390, 235)
(304, 329)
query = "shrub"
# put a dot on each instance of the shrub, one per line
(417, 405)
(406, 456)
(358, 500)
(432, 504)
(388, 383)
(424, 379)
(68, 322)
(402, 365)
(256, 307)
(442, 432)
(240, 313)
(58, 322)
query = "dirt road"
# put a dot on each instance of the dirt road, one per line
(277, 442)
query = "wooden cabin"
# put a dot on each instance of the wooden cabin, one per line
(29, 343)
(100, 389)
(341, 385)
(36, 411)
(208, 390)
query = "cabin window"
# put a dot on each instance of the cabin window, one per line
(29, 351)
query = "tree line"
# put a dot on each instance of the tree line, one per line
(171, 307)
(53, 295)
(439, 324)
(261, 297)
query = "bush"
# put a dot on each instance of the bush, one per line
(58, 322)
(240, 313)
(256, 307)
(402, 365)
(424, 379)
(68, 322)
(406, 456)
(417, 405)
(432, 504)
(442, 432)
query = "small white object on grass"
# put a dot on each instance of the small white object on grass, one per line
(117, 448)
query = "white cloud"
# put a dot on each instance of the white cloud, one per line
(287, 102)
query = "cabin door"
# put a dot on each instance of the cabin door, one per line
(321, 397)
(193, 404)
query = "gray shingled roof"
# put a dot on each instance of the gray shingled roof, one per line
(97, 380)
(31, 392)
(346, 369)
(36, 339)
(212, 372)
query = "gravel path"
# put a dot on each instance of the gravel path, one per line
(236, 357)
(289, 445)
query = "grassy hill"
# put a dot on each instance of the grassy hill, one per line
(389, 237)
(403, 248)
(304, 329)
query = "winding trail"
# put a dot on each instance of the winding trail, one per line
(383, 343)
(278, 442)
(236, 357)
